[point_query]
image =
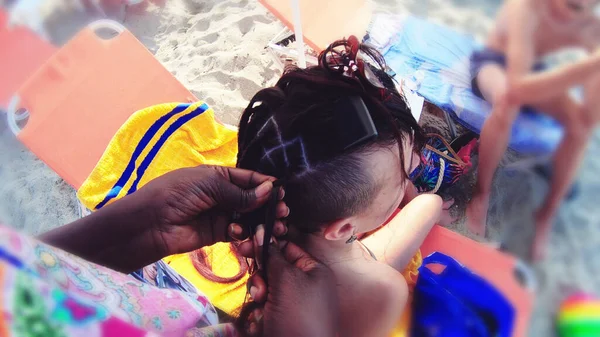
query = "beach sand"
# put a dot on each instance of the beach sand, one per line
(216, 49)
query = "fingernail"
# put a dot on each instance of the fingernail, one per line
(264, 189)
(253, 291)
(260, 240)
(288, 212)
(281, 194)
(235, 230)
(260, 235)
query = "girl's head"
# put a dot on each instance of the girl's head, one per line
(291, 131)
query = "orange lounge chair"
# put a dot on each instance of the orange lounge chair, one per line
(22, 52)
(81, 96)
(496, 267)
(323, 21)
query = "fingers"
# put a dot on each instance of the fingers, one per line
(246, 248)
(257, 287)
(282, 210)
(237, 231)
(259, 237)
(231, 197)
(279, 229)
(253, 188)
(246, 178)
(296, 256)
(249, 248)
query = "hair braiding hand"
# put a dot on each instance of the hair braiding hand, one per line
(193, 207)
(301, 299)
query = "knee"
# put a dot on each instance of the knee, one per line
(579, 127)
(504, 113)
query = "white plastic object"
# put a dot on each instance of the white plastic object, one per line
(14, 102)
(107, 24)
(12, 117)
(298, 33)
(419, 76)
(529, 279)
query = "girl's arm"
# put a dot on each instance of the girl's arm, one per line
(409, 194)
(397, 242)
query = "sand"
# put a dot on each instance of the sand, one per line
(216, 49)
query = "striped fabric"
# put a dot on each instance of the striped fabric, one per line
(154, 141)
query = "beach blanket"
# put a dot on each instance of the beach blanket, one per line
(51, 293)
(154, 141)
(435, 60)
(228, 297)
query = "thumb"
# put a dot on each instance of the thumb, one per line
(276, 263)
(232, 197)
(291, 255)
(300, 258)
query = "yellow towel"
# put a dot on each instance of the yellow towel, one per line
(154, 141)
(157, 140)
(228, 297)
(410, 274)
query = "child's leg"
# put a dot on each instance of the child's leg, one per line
(492, 144)
(578, 123)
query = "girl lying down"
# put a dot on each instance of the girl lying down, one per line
(342, 179)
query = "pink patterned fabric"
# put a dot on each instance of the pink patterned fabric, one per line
(48, 289)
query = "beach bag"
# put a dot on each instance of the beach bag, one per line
(439, 165)
(457, 302)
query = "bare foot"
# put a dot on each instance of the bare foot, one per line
(477, 214)
(540, 240)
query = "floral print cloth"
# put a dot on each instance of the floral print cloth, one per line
(47, 292)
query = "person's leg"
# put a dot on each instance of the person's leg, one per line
(578, 126)
(493, 143)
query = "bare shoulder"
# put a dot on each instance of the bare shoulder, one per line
(391, 286)
(515, 17)
(376, 302)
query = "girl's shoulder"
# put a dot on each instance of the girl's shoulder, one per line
(372, 300)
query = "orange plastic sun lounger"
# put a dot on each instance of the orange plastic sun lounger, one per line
(22, 52)
(496, 267)
(85, 92)
(324, 21)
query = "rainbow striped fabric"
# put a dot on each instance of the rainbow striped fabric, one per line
(579, 316)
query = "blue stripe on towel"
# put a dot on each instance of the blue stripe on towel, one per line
(154, 128)
(161, 141)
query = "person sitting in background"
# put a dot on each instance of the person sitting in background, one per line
(509, 74)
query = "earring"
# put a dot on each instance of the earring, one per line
(352, 238)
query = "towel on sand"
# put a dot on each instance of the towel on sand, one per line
(154, 141)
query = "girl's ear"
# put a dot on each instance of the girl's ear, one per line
(339, 230)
